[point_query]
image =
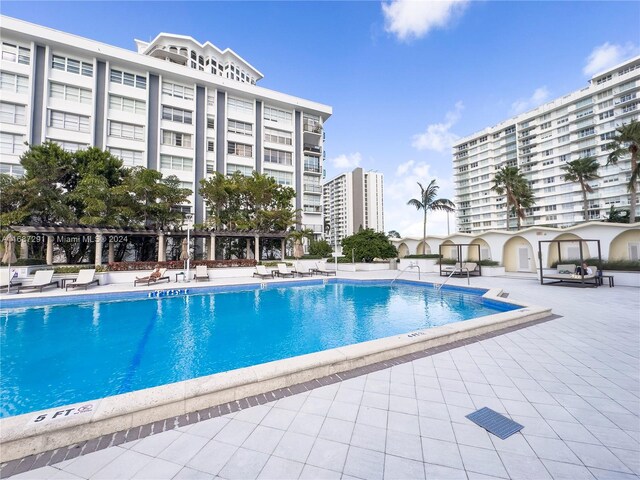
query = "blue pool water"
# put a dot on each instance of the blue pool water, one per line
(60, 354)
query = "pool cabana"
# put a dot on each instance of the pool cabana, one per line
(559, 276)
(459, 269)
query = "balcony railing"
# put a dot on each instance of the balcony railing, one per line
(312, 208)
(310, 187)
(312, 168)
(312, 148)
(312, 127)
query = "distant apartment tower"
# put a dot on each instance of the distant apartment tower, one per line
(353, 200)
(539, 143)
(175, 105)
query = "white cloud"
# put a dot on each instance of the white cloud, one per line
(607, 55)
(438, 136)
(399, 189)
(408, 19)
(346, 161)
(538, 97)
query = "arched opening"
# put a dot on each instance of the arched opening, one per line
(449, 250)
(485, 250)
(569, 251)
(423, 249)
(625, 246)
(403, 250)
(518, 256)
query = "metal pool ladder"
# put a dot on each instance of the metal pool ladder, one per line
(411, 265)
(439, 286)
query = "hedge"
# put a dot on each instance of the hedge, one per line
(179, 264)
(428, 255)
(616, 265)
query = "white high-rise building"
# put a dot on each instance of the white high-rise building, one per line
(353, 200)
(176, 105)
(539, 143)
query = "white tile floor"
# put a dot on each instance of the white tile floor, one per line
(573, 382)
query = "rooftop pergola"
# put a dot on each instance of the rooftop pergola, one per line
(110, 235)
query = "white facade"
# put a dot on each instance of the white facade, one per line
(175, 105)
(539, 143)
(353, 200)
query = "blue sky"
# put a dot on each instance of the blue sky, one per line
(404, 78)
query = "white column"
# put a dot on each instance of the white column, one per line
(98, 260)
(112, 254)
(257, 248)
(24, 248)
(162, 256)
(49, 249)
(282, 248)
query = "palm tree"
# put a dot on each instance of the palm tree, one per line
(298, 236)
(627, 140)
(428, 202)
(510, 182)
(582, 171)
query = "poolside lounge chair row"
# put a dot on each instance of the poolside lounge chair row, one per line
(284, 272)
(44, 278)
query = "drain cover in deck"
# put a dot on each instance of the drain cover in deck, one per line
(495, 423)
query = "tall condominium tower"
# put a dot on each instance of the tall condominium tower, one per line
(176, 105)
(353, 200)
(539, 143)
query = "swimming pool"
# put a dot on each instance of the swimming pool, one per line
(60, 354)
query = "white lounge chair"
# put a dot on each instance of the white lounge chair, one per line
(283, 271)
(42, 279)
(262, 272)
(149, 279)
(301, 271)
(201, 273)
(6, 280)
(322, 270)
(85, 278)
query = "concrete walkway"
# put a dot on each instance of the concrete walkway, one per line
(573, 382)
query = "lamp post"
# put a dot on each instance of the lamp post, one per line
(189, 218)
(335, 242)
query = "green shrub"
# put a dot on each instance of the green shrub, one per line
(428, 255)
(320, 247)
(367, 244)
(312, 257)
(23, 262)
(615, 265)
(77, 268)
(275, 264)
(447, 261)
(488, 263)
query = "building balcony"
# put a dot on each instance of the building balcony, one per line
(312, 209)
(312, 127)
(307, 147)
(312, 188)
(312, 169)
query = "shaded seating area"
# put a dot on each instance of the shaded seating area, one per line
(461, 267)
(42, 279)
(570, 273)
(85, 279)
(156, 276)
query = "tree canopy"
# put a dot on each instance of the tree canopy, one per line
(626, 141)
(427, 202)
(368, 244)
(243, 203)
(518, 194)
(582, 171)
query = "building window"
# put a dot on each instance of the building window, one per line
(13, 83)
(239, 106)
(211, 123)
(16, 53)
(608, 135)
(67, 92)
(126, 130)
(242, 169)
(12, 170)
(11, 144)
(240, 149)
(312, 164)
(176, 139)
(125, 104)
(128, 79)
(607, 114)
(70, 146)
(71, 65)
(177, 91)
(210, 145)
(131, 158)
(586, 132)
(12, 113)
(171, 162)
(549, 180)
(283, 178)
(278, 156)
(68, 121)
(241, 128)
(277, 115)
(176, 115)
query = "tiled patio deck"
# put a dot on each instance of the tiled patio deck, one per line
(573, 382)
